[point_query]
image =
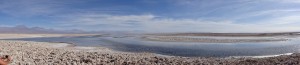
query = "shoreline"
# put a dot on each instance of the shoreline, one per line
(28, 52)
(60, 53)
(261, 56)
(75, 47)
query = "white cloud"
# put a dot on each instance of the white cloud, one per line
(27, 7)
(152, 23)
(275, 12)
(177, 25)
(287, 20)
(139, 18)
(289, 1)
(282, 21)
(35, 7)
(279, 1)
(268, 14)
(102, 19)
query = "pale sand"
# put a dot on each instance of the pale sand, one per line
(43, 53)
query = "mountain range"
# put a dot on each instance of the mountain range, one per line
(38, 30)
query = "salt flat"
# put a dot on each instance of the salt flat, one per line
(41, 53)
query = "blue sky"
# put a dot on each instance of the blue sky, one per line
(155, 15)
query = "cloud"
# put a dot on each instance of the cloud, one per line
(27, 7)
(287, 1)
(94, 19)
(191, 25)
(266, 14)
(138, 18)
(285, 21)
(175, 16)
(152, 23)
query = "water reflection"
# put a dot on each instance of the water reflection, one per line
(135, 44)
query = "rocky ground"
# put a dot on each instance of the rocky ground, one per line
(41, 53)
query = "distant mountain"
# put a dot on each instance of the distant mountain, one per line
(37, 30)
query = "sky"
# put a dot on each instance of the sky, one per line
(154, 15)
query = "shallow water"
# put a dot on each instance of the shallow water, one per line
(189, 49)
